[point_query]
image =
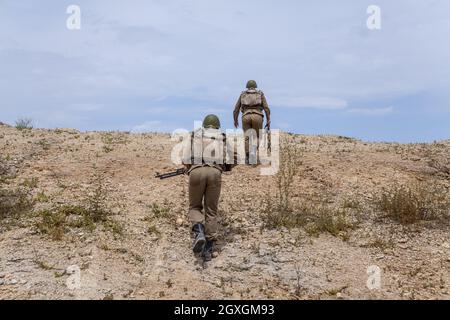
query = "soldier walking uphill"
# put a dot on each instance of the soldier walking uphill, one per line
(205, 162)
(251, 103)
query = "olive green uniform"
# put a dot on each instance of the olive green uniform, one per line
(251, 103)
(205, 180)
(204, 192)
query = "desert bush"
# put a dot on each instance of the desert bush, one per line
(290, 163)
(277, 207)
(53, 222)
(411, 204)
(160, 211)
(326, 219)
(315, 218)
(24, 124)
(442, 165)
(281, 209)
(94, 209)
(14, 201)
(97, 200)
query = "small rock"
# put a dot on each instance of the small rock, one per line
(13, 281)
(180, 222)
(261, 252)
(339, 295)
(86, 253)
(2, 282)
(446, 245)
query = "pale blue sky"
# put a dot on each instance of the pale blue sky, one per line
(161, 64)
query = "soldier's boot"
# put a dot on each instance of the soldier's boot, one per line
(207, 252)
(200, 240)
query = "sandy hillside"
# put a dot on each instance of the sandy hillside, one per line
(143, 248)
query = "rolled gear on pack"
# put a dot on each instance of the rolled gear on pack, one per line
(252, 102)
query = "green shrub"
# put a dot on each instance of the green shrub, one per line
(411, 204)
(24, 124)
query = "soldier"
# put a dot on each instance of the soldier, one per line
(251, 103)
(205, 163)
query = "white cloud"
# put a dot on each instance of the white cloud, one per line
(372, 111)
(311, 102)
(151, 126)
(144, 55)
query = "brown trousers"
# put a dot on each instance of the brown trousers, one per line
(204, 192)
(252, 121)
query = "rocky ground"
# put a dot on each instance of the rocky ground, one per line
(150, 256)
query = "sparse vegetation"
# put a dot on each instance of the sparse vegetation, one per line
(94, 210)
(327, 219)
(160, 211)
(411, 204)
(283, 210)
(290, 162)
(111, 139)
(14, 201)
(53, 222)
(24, 124)
(441, 164)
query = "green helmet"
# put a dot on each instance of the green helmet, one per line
(251, 84)
(211, 121)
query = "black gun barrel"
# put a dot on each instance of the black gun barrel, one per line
(170, 174)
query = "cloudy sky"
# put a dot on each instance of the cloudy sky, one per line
(162, 64)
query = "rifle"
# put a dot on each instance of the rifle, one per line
(171, 174)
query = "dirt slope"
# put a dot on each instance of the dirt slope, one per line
(152, 258)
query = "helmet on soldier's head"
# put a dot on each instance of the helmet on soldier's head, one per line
(251, 84)
(211, 121)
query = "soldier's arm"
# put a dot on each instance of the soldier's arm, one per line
(236, 111)
(266, 108)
